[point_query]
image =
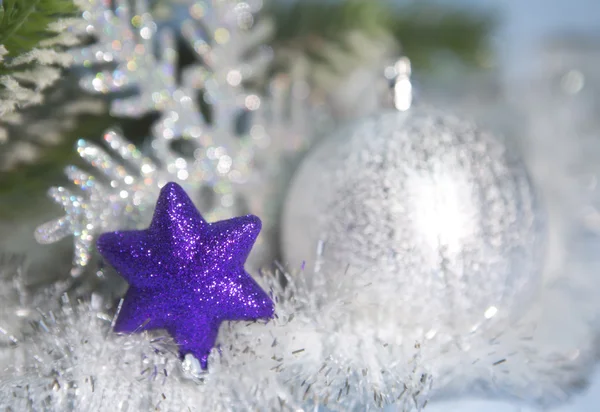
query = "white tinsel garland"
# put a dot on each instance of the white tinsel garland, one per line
(314, 352)
(319, 350)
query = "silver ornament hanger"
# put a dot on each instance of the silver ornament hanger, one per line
(401, 84)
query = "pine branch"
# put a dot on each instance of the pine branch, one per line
(310, 24)
(32, 35)
(25, 24)
(424, 30)
(427, 31)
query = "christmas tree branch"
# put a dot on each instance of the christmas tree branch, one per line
(32, 34)
(424, 30)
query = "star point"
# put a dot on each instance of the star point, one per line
(186, 275)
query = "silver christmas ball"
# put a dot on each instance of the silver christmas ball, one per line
(424, 216)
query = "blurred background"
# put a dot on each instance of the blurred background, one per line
(529, 68)
(479, 56)
(526, 26)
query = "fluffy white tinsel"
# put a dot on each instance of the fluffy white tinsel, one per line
(313, 353)
(319, 351)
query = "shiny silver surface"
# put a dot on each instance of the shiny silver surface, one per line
(434, 217)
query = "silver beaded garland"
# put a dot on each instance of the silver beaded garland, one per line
(432, 218)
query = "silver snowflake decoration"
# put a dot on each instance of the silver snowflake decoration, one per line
(216, 157)
(124, 190)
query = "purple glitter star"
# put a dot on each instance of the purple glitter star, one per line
(186, 275)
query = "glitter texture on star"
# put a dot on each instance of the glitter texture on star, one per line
(186, 275)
